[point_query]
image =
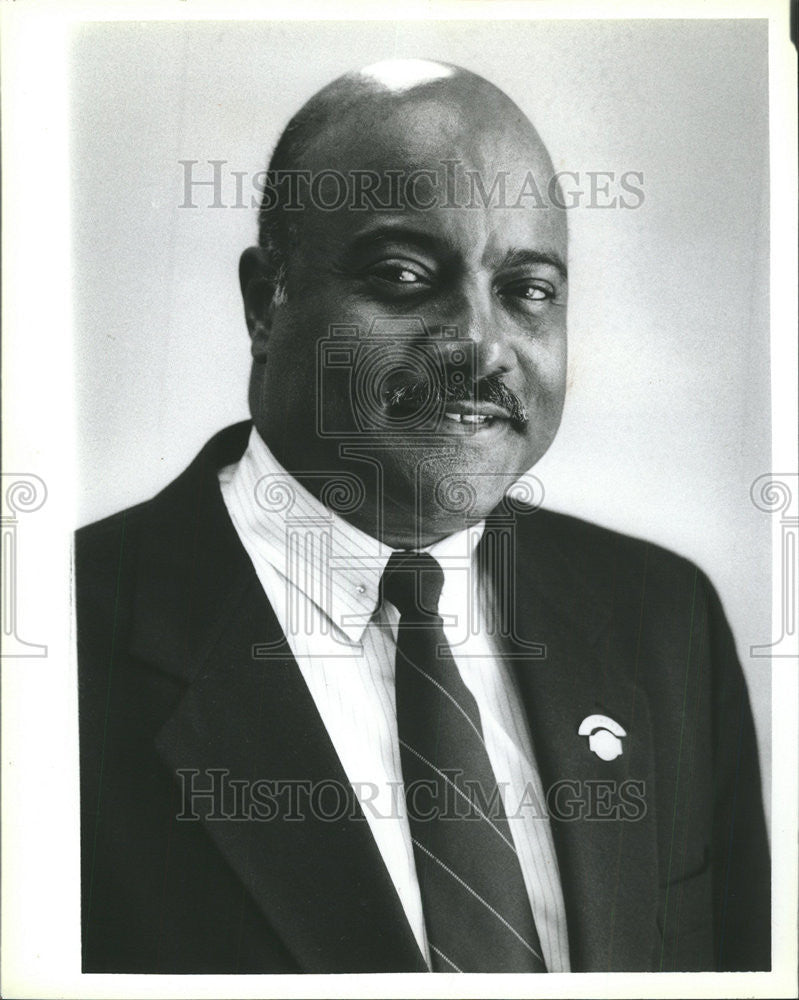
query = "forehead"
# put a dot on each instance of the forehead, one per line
(476, 179)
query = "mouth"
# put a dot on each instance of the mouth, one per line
(475, 415)
(453, 409)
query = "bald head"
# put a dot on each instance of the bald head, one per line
(400, 115)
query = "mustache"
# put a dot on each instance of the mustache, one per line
(489, 389)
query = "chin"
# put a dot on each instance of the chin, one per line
(451, 502)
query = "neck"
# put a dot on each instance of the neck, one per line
(384, 506)
(392, 523)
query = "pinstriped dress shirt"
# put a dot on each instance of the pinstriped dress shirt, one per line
(321, 576)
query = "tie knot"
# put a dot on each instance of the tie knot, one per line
(412, 581)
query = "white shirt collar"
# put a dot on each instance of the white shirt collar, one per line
(333, 563)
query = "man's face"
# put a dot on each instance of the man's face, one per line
(472, 298)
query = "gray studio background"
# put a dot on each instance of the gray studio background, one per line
(667, 419)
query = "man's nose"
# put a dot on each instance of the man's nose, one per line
(481, 327)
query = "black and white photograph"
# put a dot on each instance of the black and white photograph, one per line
(400, 501)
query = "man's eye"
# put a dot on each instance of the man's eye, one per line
(399, 273)
(407, 277)
(532, 291)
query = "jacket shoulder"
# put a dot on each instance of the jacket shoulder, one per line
(104, 536)
(597, 549)
(170, 509)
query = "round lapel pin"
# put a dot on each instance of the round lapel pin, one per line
(604, 736)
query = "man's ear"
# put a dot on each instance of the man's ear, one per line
(258, 292)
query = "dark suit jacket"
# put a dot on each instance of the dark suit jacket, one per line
(182, 665)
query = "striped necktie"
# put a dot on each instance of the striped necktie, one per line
(477, 912)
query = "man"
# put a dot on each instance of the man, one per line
(345, 706)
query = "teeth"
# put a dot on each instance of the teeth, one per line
(468, 418)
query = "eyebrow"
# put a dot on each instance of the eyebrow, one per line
(402, 233)
(517, 257)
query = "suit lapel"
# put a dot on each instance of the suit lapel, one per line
(604, 836)
(321, 883)
(319, 880)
